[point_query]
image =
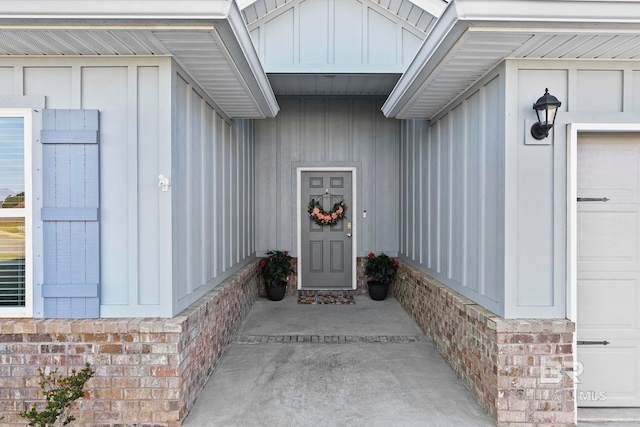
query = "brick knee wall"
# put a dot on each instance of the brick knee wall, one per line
(512, 366)
(148, 371)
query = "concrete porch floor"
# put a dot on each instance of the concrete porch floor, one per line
(333, 365)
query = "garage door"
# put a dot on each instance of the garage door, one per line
(608, 270)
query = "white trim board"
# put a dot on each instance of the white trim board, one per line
(354, 221)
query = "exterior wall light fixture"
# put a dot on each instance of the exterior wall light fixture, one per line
(546, 108)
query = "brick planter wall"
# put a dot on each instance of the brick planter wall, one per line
(148, 371)
(505, 363)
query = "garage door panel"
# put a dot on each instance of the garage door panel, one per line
(610, 169)
(607, 305)
(603, 365)
(609, 270)
(608, 237)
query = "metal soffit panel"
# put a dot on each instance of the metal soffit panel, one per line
(200, 54)
(79, 42)
(478, 51)
(333, 84)
(198, 51)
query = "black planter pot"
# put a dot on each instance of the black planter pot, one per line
(378, 290)
(276, 293)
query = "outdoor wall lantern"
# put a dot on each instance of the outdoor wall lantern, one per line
(546, 108)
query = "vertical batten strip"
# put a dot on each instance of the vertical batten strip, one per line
(451, 224)
(331, 32)
(207, 217)
(132, 178)
(215, 192)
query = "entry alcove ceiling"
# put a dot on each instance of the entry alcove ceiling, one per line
(333, 84)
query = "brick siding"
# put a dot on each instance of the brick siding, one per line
(512, 366)
(148, 371)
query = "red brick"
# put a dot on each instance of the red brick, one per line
(164, 371)
(138, 394)
(110, 348)
(136, 417)
(114, 349)
(510, 416)
(94, 338)
(154, 405)
(165, 416)
(491, 355)
(109, 394)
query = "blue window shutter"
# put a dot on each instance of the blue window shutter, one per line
(70, 214)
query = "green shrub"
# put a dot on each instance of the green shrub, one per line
(60, 392)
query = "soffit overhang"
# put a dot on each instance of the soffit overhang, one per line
(474, 36)
(208, 38)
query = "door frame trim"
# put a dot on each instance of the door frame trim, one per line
(352, 207)
(574, 130)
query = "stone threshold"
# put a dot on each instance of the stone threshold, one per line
(329, 339)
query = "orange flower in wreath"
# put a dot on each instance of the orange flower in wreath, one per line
(322, 217)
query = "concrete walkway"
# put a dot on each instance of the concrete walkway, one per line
(366, 364)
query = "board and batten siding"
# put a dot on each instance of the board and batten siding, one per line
(320, 36)
(591, 92)
(328, 132)
(159, 251)
(132, 98)
(483, 209)
(213, 192)
(452, 194)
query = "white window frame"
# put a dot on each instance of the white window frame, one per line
(26, 212)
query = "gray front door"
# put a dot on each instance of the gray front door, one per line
(326, 258)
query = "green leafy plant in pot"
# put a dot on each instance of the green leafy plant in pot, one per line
(275, 269)
(381, 270)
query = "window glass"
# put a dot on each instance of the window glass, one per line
(12, 262)
(13, 215)
(12, 191)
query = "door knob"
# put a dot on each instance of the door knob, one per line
(348, 234)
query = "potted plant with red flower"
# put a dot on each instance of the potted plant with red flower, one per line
(275, 269)
(381, 270)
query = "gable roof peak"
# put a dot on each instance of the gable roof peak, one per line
(405, 9)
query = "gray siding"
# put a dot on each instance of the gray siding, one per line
(483, 209)
(452, 194)
(320, 36)
(328, 131)
(158, 251)
(536, 240)
(132, 96)
(213, 189)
